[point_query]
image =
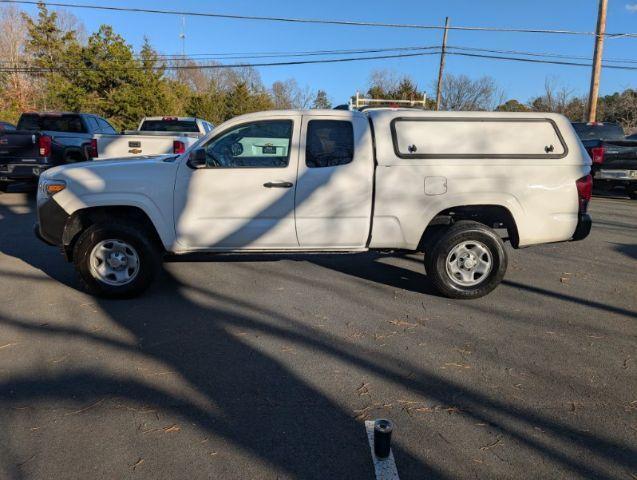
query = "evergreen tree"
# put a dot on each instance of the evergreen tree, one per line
(322, 100)
(57, 52)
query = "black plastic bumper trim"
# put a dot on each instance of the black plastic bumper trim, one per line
(584, 225)
(52, 220)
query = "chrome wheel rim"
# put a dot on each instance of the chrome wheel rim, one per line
(469, 263)
(114, 262)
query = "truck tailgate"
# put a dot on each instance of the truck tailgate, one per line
(18, 146)
(620, 154)
(120, 146)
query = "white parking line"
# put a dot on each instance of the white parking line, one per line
(385, 468)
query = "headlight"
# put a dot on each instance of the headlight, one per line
(49, 188)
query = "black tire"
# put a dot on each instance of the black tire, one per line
(459, 232)
(632, 194)
(133, 235)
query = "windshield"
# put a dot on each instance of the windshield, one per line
(189, 126)
(53, 123)
(599, 131)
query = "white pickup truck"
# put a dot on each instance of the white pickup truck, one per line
(154, 136)
(329, 181)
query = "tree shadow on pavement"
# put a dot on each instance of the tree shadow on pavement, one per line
(263, 406)
(256, 403)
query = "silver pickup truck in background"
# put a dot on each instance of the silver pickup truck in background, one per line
(154, 136)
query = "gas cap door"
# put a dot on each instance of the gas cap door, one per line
(435, 185)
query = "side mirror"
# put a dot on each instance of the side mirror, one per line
(197, 158)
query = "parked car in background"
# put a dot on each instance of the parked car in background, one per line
(154, 136)
(6, 126)
(614, 155)
(43, 140)
(329, 181)
(632, 137)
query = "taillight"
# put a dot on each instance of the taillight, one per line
(597, 154)
(584, 192)
(44, 146)
(92, 148)
(179, 147)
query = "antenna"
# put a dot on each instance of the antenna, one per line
(182, 36)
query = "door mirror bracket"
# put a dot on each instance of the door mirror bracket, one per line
(197, 158)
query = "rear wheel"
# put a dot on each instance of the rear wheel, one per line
(467, 261)
(632, 193)
(115, 260)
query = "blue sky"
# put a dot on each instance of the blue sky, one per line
(519, 80)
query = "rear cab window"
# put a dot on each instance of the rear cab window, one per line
(457, 137)
(105, 127)
(169, 125)
(329, 143)
(598, 131)
(54, 123)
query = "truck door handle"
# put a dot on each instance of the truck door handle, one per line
(278, 185)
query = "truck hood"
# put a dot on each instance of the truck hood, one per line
(118, 179)
(106, 167)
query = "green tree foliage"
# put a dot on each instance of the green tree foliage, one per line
(512, 106)
(321, 100)
(56, 51)
(384, 84)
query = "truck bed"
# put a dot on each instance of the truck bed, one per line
(155, 143)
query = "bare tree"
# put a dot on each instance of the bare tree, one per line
(18, 92)
(287, 94)
(186, 72)
(381, 82)
(463, 93)
(67, 22)
(559, 99)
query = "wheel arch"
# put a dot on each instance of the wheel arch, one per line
(81, 219)
(491, 215)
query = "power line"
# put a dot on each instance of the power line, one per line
(180, 63)
(315, 20)
(533, 60)
(216, 66)
(544, 54)
(291, 54)
(178, 59)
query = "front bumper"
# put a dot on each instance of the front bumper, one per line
(52, 219)
(584, 225)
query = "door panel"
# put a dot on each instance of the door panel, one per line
(334, 188)
(244, 200)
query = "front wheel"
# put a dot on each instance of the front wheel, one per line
(115, 260)
(468, 261)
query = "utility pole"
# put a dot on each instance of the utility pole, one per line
(442, 64)
(597, 60)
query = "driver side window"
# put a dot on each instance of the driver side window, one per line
(263, 144)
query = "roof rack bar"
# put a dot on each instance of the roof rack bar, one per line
(360, 102)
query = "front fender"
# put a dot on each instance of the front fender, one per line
(162, 221)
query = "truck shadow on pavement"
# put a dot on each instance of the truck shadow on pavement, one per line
(256, 402)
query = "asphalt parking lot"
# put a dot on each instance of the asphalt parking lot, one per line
(267, 367)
